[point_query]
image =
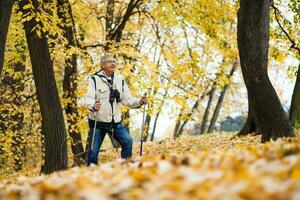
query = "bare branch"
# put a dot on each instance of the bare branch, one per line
(276, 13)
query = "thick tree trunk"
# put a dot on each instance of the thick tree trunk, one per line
(5, 13)
(250, 126)
(295, 104)
(253, 44)
(70, 82)
(214, 118)
(53, 126)
(207, 110)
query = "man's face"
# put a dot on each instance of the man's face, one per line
(109, 65)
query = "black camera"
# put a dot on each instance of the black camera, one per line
(114, 94)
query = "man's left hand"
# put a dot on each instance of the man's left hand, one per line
(143, 100)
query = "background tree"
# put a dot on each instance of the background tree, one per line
(207, 110)
(265, 110)
(215, 115)
(64, 11)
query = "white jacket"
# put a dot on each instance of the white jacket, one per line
(106, 113)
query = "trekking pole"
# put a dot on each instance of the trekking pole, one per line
(94, 131)
(141, 146)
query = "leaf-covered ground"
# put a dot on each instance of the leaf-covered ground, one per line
(200, 167)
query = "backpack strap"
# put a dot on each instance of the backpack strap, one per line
(110, 83)
(93, 78)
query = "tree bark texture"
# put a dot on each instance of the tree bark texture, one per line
(53, 126)
(253, 44)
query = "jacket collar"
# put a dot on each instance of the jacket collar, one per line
(102, 75)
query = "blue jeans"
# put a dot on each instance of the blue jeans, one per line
(121, 134)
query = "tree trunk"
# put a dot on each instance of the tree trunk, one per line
(214, 118)
(117, 32)
(253, 45)
(147, 124)
(178, 122)
(180, 129)
(154, 126)
(5, 13)
(250, 126)
(195, 107)
(109, 20)
(206, 113)
(53, 126)
(157, 115)
(70, 82)
(295, 104)
(109, 16)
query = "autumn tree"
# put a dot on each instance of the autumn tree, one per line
(216, 112)
(207, 110)
(193, 72)
(64, 11)
(53, 126)
(266, 115)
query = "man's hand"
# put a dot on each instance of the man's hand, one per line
(143, 100)
(97, 105)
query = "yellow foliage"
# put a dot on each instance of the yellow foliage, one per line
(174, 54)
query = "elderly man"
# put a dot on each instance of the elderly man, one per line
(106, 91)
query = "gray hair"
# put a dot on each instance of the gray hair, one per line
(105, 58)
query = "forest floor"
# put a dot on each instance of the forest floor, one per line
(211, 166)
